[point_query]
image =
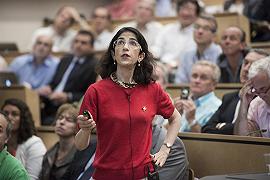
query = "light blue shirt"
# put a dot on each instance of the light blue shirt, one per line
(37, 76)
(190, 57)
(206, 106)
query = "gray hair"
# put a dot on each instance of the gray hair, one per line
(262, 65)
(213, 66)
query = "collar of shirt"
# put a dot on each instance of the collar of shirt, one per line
(47, 62)
(198, 102)
(187, 29)
(223, 63)
(80, 60)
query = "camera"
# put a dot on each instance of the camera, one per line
(184, 93)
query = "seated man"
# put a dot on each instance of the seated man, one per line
(37, 68)
(202, 103)
(205, 28)
(254, 113)
(61, 30)
(11, 168)
(74, 74)
(233, 46)
(101, 20)
(222, 122)
(144, 21)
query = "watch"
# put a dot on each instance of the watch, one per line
(168, 145)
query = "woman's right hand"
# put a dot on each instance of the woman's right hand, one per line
(86, 124)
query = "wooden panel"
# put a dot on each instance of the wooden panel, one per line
(221, 89)
(261, 45)
(47, 134)
(27, 95)
(211, 154)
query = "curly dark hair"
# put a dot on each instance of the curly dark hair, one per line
(143, 74)
(27, 127)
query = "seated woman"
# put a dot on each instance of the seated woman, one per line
(58, 158)
(23, 142)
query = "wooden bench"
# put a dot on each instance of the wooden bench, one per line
(212, 154)
(221, 89)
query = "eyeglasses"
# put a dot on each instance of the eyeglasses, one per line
(43, 43)
(119, 43)
(205, 28)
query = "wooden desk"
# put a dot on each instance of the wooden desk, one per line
(221, 89)
(211, 154)
(27, 95)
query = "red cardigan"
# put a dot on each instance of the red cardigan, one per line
(124, 126)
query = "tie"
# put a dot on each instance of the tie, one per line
(61, 85)
(89, 169)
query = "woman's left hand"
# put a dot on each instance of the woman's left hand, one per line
(161, 156)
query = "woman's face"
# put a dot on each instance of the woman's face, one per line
(65, 125)
(127, 50)
(14, 115)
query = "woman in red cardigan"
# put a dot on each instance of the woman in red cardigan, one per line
(122, 107)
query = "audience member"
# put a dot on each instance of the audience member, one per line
(10, 167)
(61, 30)
(118, 109)
(101, 21)
(176, 165)
(233, 45)
(254, 111)
(73, 75)
(58, 158)
(23, 142)
(234, 6)
(81, 167)
(202, 102)
(3, 64)
(37, 68)
(222, 122)
(121, 9)
(144, 21)
(177, 37)
(205, 28)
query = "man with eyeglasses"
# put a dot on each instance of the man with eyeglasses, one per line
(222, 122)
(205, 28)
(37, 68)
(202, 102)
(254, 113)
(101, 21)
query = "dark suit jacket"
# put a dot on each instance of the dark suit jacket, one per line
(80, 78)
(224, 114)
(80, 160)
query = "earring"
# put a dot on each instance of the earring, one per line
(139, 63)
(114, 62)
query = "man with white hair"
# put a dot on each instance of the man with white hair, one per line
(202, 102)
(254, 114)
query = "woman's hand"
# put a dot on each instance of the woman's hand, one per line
(86, 124)
(161, 156)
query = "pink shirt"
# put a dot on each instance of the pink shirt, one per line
(259, 111)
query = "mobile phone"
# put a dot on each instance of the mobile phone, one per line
(87, 114)
(184, 93)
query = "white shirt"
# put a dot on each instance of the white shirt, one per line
(150, 33)
(102, 41)
(61, 43)
(172, 42)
